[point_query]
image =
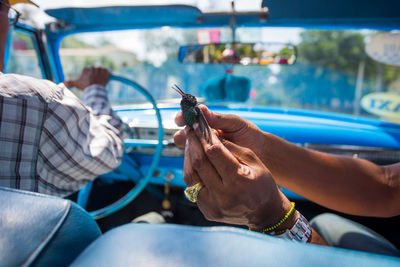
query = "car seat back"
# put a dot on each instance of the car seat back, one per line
(41, 230)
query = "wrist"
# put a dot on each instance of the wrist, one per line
(280, 218)
(94, 93)
(98, 85)
(289, 223)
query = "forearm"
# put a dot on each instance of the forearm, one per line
(95, 96)
(87, 145)
(353, 186)
(102, 127)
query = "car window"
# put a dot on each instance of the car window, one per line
(23, 57)
(332, 71)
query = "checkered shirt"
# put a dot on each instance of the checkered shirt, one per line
(50, 142)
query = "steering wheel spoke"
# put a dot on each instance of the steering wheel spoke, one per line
(143, 143)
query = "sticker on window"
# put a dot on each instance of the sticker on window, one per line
(385, 105)
(385, 48)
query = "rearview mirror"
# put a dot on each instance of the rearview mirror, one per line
(239, 53)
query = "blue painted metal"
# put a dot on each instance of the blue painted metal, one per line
(141, 143)
(302, 126)
(348, 14)
(83, 195)
(7, 49)
(53, 45)
(126, 17)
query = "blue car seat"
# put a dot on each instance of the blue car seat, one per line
(39, 230)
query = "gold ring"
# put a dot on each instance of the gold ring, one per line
(192, 192)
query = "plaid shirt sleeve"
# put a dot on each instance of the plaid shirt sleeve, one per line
(78, 142)
(50, 141)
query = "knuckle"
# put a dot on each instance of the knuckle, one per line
(248, 152)
(214, 150)
(198, 161)
(244, 171)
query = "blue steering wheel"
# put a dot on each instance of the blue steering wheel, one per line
(126, 167)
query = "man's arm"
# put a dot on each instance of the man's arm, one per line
(79, 142)
(345, 184)
(353, 186)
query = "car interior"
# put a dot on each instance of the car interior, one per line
(296, 69)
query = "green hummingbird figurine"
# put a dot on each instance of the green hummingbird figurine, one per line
(192, 113)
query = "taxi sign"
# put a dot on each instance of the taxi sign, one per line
(385, 48)
(382, 104)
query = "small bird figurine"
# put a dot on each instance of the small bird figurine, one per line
(192, 113)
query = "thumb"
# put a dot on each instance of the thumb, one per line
(226, 122)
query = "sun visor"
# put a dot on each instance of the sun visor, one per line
(121, 17)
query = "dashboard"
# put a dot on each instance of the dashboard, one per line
(338, 134)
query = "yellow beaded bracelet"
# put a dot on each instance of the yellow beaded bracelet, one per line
(269, 229)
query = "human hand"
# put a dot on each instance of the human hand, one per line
(229, 127)
(90, 76)
(238, 188)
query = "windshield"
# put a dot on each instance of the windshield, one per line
(332, 71)
(204, 5)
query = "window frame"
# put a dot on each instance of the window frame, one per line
(38, 40)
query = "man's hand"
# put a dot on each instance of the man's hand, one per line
(239, 189)
(89, 77)
(228, 127)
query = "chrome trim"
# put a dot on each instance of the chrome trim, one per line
(375, 154)
(348, 147)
